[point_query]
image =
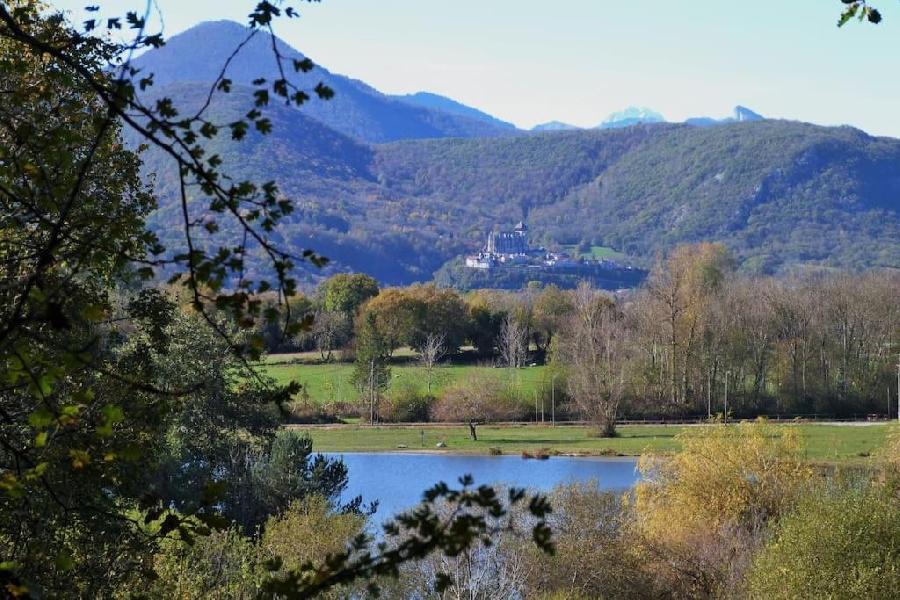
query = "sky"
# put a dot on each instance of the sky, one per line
(576, 61)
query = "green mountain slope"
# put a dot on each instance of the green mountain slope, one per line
(778, 193)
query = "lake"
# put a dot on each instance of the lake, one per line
(397, 480)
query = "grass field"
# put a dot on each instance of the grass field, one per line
(597, 253)
(823, 442)
(326, 383)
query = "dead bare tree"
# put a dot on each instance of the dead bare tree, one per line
(329, 330)
(513, 343)
(433, 351)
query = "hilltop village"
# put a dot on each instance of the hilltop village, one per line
(511, 249)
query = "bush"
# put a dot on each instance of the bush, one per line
(596, 554)
(307, 412)
(480, 397)
(703, 512)
(842, 545)
(406, 404)
(308, 531)
(224, 564)
(228, 564)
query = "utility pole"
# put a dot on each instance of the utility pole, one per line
(553, 400)
(727, 373)
(372, 392)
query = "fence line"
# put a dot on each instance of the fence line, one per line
(808, 418)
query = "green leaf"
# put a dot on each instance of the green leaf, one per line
(169, 524)
(41, 418)
(64, 561)
(93, 312)
(112, 414)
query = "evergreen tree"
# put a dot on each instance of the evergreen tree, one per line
(371, 373)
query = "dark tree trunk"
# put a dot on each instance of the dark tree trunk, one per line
(472, 433)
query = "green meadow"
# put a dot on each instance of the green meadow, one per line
(330, 382)
(597, 253)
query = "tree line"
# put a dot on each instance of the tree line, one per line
(697, 336)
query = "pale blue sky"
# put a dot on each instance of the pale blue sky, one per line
(578, 60)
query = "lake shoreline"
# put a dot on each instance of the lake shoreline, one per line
(481, 453)
(824, 443)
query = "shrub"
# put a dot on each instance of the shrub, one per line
(307, 530)
(596, 556)
(702, 513)
(406, 404)
(842, 545)
(224, 564)
(479, 398)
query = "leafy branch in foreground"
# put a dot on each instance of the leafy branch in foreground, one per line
(214, 276)
(449, 521)
(79, 435)
(861, 10)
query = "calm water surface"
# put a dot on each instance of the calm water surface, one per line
(398, 480)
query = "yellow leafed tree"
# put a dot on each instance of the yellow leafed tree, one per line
(701, 513)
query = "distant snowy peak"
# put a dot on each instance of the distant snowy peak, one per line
(633, 115)
(740, 114)
(554, 126)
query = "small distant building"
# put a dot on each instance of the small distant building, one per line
(508, 260)
(508, 242)
(560, 260)
(480, 261)
(503, 248)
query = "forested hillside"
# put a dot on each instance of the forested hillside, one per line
(777, 193)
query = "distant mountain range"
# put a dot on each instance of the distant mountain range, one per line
(631, 116)
(442, 103)
(644, 116)
(740, 115)
(374, 196)
(358, 110)
(554, 126)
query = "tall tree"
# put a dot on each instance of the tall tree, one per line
(433, 350)
(513, 343)
(594, 351)
(683, 286)
(345, 293)
(551, 307)
(371, 373)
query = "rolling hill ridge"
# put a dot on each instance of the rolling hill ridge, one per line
(376, 198)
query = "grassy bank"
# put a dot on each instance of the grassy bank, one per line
(824, 443)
